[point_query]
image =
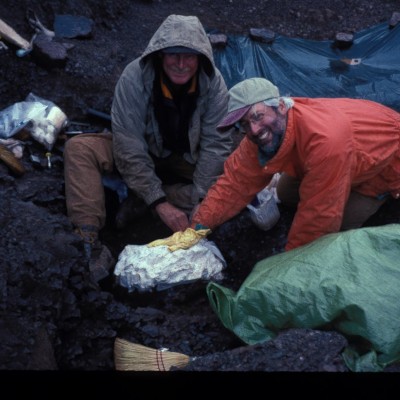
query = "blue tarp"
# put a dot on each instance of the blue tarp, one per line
(369, 69)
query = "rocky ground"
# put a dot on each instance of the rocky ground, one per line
(51, 317)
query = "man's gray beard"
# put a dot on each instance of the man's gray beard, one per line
(271, 149)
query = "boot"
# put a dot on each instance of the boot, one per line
(130, 209)
(98, 256)
(89, 235)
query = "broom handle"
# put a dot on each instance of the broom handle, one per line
(12, 36)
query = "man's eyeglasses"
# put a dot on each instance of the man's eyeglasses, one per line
(258, 115)
(245, 126)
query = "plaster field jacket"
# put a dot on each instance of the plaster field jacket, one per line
(333, 146)
(135, 128)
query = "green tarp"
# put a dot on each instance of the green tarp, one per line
(349, 281)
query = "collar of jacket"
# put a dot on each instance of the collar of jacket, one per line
(167, 93)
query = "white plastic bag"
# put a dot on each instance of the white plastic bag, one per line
(46, 127)
(16, 117)
(264, 211)
(41, 118)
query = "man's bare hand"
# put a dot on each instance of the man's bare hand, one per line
(174, 218)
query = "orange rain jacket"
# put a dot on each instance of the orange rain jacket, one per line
(333, 146)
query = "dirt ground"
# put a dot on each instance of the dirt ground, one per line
(51, 318)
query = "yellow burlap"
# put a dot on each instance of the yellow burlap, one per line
(181, 240)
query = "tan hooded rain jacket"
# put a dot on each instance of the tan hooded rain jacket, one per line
(135, 128)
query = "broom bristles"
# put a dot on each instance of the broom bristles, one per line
(130, 356)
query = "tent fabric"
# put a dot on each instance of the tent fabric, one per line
(346, 281)
(368, 69)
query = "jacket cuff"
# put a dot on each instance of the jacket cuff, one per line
(198, 227)
(157, 202)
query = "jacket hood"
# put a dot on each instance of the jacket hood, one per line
(180, 30)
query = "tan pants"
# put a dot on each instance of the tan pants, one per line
(88, 157)
(358, 207)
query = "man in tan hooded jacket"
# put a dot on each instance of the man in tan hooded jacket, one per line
(164, 141)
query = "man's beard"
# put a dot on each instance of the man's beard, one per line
(268, 151)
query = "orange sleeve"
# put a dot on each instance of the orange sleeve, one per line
(242, 179)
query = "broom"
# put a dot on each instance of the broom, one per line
(136, 357)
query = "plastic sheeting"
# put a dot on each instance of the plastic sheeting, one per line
(347, 281)
(145, 268)
(369, 69)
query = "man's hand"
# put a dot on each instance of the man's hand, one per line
(194, 211)
(174, 218)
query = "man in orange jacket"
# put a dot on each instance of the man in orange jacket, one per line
(339, 159)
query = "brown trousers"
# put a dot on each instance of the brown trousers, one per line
(358, 207)
(88, 157)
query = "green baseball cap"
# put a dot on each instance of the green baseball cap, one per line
(243, 95)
